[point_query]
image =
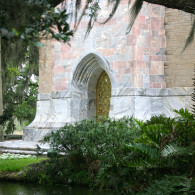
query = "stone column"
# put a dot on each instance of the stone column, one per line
(41, 125)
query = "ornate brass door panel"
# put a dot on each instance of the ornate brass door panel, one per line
(103, 94)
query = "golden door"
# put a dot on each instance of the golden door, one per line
(103, 94)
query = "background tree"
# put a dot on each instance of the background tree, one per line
(19, 97)
(21, 22)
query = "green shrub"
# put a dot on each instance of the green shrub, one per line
(170, 185)
(127, 155)
(94, 145)
(58, 171)
(94, 140)
(164, 146)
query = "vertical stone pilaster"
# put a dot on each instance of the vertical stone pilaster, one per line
(45, 66)
(179, 64)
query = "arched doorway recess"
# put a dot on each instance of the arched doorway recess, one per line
(90, 72)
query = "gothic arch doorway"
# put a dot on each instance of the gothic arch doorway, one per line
(91, 74)
(103, 95)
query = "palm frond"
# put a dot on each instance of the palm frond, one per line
(117, 2)
(83, 12)
(191, 35)
(77, 8)
(171, 150)
(134, 11)
(143, 156)
(169, 185)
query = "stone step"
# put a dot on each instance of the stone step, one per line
(22, 152)
(18, 148)
(12, 136)
(22, 147)
(26, 148)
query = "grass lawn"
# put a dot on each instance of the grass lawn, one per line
(17, 164)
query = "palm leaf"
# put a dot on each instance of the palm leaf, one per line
(117, 2)
(144, 156)
(169, 185)
(191, 35)
(134, 11)
(151, 152)
(171, 150)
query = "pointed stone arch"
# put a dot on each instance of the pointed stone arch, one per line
(83, 84)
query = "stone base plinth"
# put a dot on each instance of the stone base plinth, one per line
(35, 135)
(141, 103)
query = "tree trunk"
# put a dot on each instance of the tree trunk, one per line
(1, 98)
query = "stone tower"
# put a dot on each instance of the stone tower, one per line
(141, 74)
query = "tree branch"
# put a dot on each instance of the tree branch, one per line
(184, 5)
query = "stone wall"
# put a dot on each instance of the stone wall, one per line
(46, 67)
(179, 66)
(136, 59)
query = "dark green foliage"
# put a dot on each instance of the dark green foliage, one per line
(56, 171)
(164, 142)
(154, 130)
(53, 154)
(170, 185)
(185, 127)
(20, 31)
(19, 97)
(32, 17)
(130, 156)
(94, 140)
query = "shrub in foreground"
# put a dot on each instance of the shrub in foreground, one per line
(127, 155)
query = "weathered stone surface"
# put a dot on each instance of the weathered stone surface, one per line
(122, 106)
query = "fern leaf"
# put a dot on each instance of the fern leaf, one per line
(171, 150)
(169, 185)
(147, 153)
